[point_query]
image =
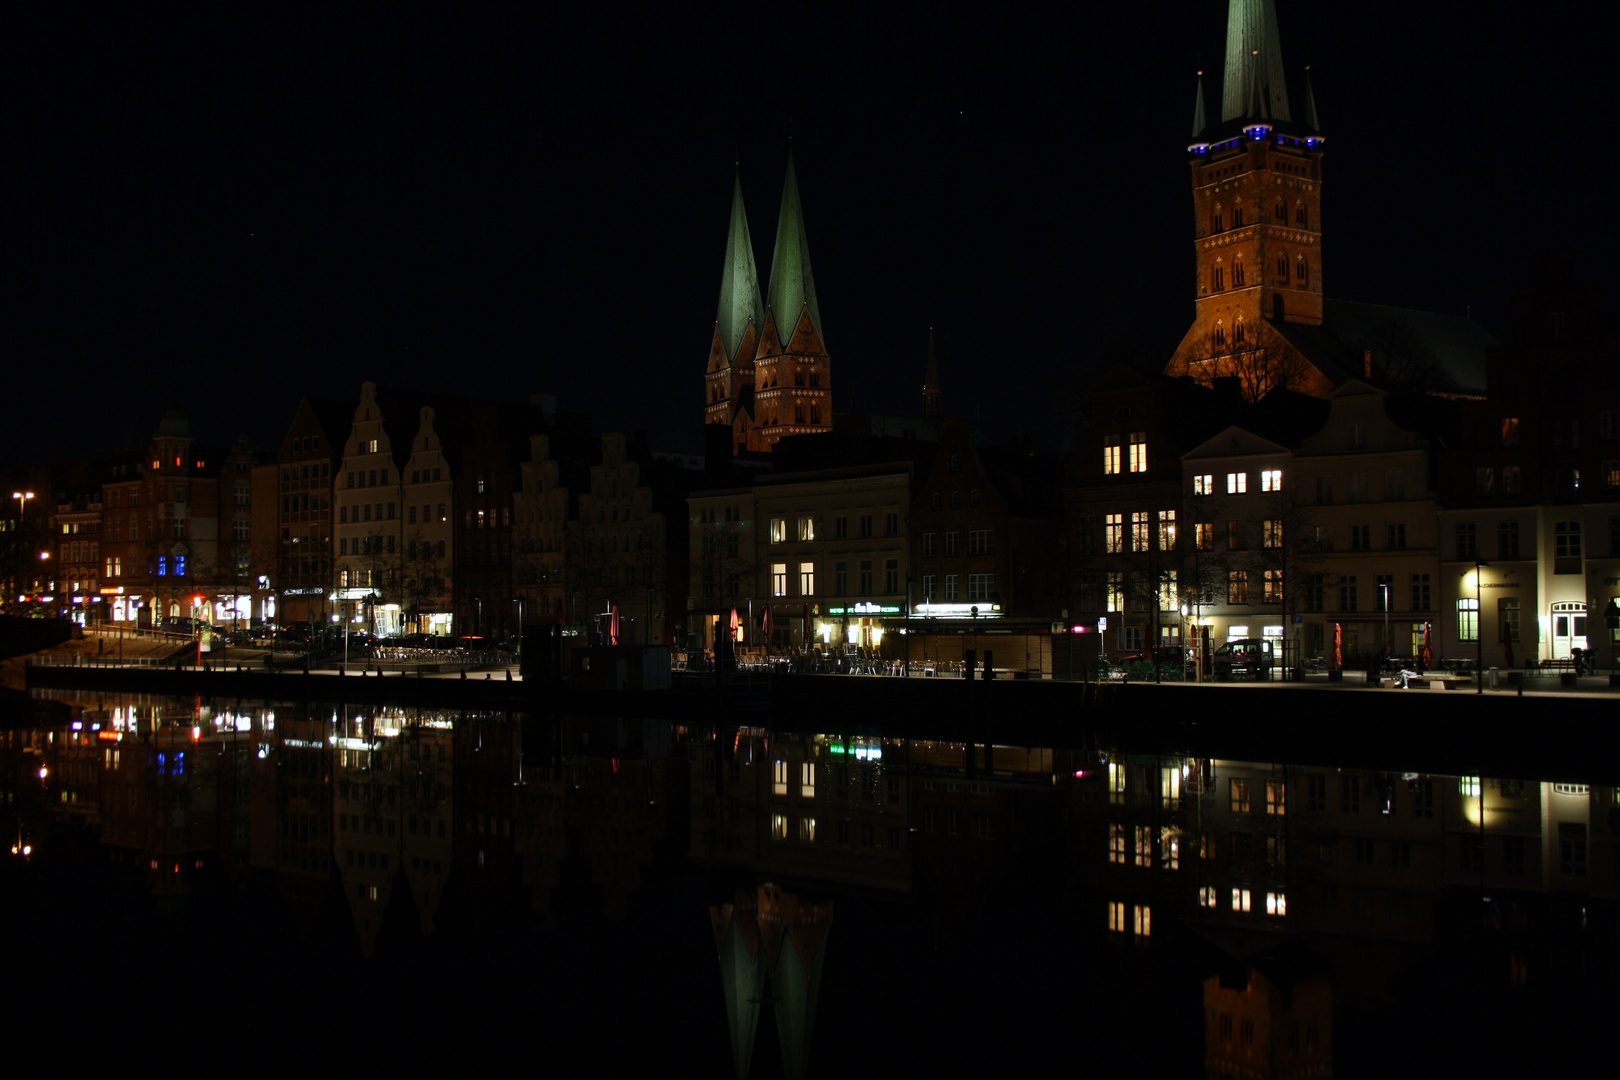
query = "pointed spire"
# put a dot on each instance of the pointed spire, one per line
(1311, 123)
(1199, 123)
(1254, 86)
(793, 286)
(739, 282)
(931, 395)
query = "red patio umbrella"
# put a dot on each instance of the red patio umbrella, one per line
(734, 624)
(613, 626)
(1428, 650)
(1338, 646)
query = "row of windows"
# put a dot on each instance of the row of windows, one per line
(804, 527)
(1237, 483)
(1317, 585)
(1566, 539)
(1279, 214)
(866, 578)
(979, 587)
(1114, 461)
(937, 502)
(980, 542)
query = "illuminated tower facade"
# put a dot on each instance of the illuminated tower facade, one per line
(1257, 208)
(769, 377)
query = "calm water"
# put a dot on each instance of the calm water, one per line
(400, 886)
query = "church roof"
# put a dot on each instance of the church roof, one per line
(739, 281)
(1255, 86)
(793, 286)
(1446, 351)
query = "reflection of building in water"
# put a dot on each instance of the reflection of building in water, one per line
(805, 807)
(1370, 866)
(391, 808)
(1270, 1016)
(772, 947)
(292, 810)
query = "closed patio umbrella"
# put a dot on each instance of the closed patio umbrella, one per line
(613, 626)
(1428, 650)
(1338, 646)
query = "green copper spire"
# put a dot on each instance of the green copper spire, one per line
(1254, 87)
(739, 282)
(793, 286)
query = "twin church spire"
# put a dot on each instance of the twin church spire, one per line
(768, 374)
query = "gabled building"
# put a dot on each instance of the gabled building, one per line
(302, 512)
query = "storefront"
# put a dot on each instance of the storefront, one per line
(862, 623)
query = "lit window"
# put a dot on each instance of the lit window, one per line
(1207, 896)
(1116, 786)
(1204, 484)
(1139, 530)
(1143, 921)
(1237, 483)
(779, 786)
(779, 827)
(807, 579)
(1240, 796)
(1276, 797)
(1144, 845)
(778, 531)
(1271, 530)
(1111, 460)
(1468, 619)
(1139, 451)
(1167, 530)
(1271, 480)
(1468, 787)
(1116, 843)
(807, 781)
(1276, 904)
(1116, 917)
(1240, 900)
(1114, 536)
(807, 528)
(807, 830)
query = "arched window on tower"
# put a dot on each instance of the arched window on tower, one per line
(1282, 266)
(1282, 210)
(1215, 223)
(1218, 278)
(1302, 273)
(1301, 215)
(1237, 217)
(1238, 336)
(798, 377)
(1237, 274)
(1220, 335)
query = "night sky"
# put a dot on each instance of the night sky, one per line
(231, 209)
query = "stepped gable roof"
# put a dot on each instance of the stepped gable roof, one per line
(1449, 349)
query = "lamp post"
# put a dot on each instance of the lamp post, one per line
(1383, 587)
(1479, 632)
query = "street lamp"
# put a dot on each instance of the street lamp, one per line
(1479, 629)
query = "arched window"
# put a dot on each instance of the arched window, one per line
(1282, 265)
(1237, 332)
(1237, 274)
(1218, 278)
(1301, 215)
(1301, 271)
(1216, 223)
(1282, 210)
(1220, 335)
(1237, 217)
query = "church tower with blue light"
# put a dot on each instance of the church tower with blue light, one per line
(1257, 208)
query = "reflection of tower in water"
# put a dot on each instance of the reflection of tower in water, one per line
(771, 945)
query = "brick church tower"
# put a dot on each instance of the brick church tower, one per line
(1257, 202)
(771, 377)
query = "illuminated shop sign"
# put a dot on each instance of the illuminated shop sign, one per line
(865, 609)
(960, 611)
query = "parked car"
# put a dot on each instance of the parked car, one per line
(1252, 656)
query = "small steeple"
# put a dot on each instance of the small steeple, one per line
(1311, 123)
(1254, 87)
(739, 282)
(1199, 123)
(931, 396)
(793, 286)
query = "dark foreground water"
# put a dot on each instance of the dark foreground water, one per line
(212, 884)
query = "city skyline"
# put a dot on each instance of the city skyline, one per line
(226, 217)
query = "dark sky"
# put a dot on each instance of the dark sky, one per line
(230, 209)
